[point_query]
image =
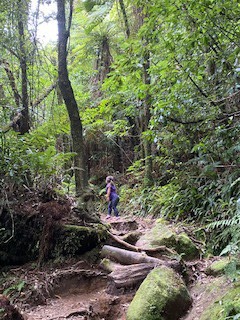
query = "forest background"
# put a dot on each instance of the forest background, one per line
(147, 91)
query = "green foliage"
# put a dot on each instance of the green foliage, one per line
(157, 201)
(193, 50)
(17, 287)
(97, 12)
(31, 159)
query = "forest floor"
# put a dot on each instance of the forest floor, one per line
(78, 289)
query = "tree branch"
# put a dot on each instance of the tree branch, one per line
(44, 95)
(139, 249)
(11, 78)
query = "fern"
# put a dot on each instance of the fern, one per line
(97, 13)
(224, 223)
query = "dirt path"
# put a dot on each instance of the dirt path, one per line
(83, 291)
(81, 296)
(95, 304)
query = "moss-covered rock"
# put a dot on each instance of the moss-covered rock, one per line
(186, 247)
(159, 235)
(225, 307)
(224, 265)
(161, 296)
(218, 267)
(163, 235)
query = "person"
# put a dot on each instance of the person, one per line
(112, 197)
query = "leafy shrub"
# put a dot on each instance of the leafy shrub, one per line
(31, 159)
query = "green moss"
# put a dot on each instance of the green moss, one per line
(218, 267)
(160, 235)
(186, 247)
(161, 296)
(228, 305)
(71, 240)
(77, 228)
(163, 235)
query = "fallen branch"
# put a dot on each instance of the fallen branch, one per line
(139, 249)
(44, 95)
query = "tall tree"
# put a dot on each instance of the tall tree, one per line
(80, 167)
(24, 120)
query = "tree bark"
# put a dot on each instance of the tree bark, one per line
(123, 9)
(125, 276)
(12, 81)
(24, 121)
(80, 167)
(127, 257)
(148, 177)
(134, 266)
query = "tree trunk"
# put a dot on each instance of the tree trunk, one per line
(127, 257)
(123, 9)
(126, 276)
(12, 82)
(24, 120)
(148, 178)
(80, 167)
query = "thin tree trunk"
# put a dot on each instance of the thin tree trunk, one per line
(24, 121)
(80, 167)
(148, 177)
(123, 9)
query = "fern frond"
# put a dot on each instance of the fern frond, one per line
(89, 4)
(98, 13)
(235, 220)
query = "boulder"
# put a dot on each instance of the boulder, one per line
(161, 296)
(162, 234)
(221, 266)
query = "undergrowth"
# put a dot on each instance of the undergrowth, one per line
(207, 198)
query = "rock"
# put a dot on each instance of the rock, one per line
(186, 247)
(163, 235)
(162, 296)
(226, 306)
(205, 291)
(132, 237)
(219, 266)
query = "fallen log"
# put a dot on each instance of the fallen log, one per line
(108, 265)
(139, 249)
(126, 257)
(128, 269)
(125, 276)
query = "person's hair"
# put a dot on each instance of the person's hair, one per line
(109, 179)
